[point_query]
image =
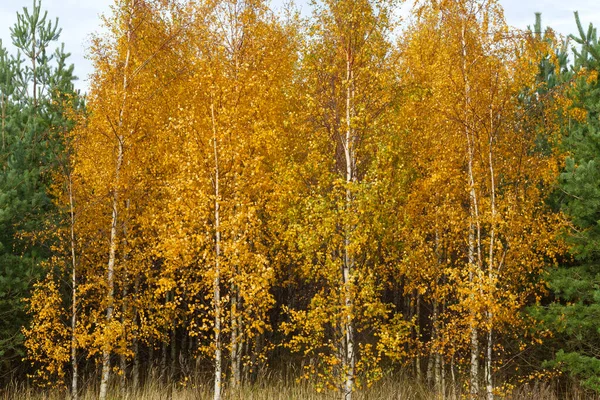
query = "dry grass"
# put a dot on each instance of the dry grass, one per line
(546, 391)
(280, 391)
(387, 389)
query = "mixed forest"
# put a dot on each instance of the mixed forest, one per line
(247, 196)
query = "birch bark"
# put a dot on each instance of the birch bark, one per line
(112, 254)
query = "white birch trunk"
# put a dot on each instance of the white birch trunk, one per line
(474, 372)
(474, 231)
(453, 379)
(235, 338)
(236, 345)
(135, 371)
(217, 278)
(106, 352)
(124, 306)
(438, 368)
(418, 335)
(443, 378)
(123, 378)
(429, 371)
(112, 254)
(350, 356)
(75, 377)
(489, 385)
(436, 354)
(122, 358)
(241, 342)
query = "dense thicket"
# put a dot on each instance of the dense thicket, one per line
(339, 197)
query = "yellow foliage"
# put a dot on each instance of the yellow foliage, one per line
(47, 340)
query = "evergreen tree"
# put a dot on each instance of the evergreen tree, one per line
(576, 285)
(33, 85)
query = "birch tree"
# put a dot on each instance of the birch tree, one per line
(490, 154)
(345, 69)
(123, 117)
(240, 60)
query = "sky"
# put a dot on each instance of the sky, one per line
(80, 18)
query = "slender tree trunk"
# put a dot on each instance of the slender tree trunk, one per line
(135, 372)
(474, 238)
(474, 358)
(163, 363)
(110, 281)
(443, 378)
(236, 339)
(173, 348)
(418, 336)
(198, 360)
(122, 357)
(237, 40)
(241, 343)
(429, 371)
(217, 278)
(74, 390)
(436, 354)
(235, 345)
(151, 371)
(438, 370)
(164, 351)
(112, 254)
(124, 305)
(123, 377)
(244, 369)
(443, 359)
(106, 352)
(350, 356)
(183, 351)
(489, 386)
(453, 378)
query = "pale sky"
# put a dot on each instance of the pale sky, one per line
(79, 18)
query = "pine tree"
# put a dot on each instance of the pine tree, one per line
(32, 83)
(573, 315)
